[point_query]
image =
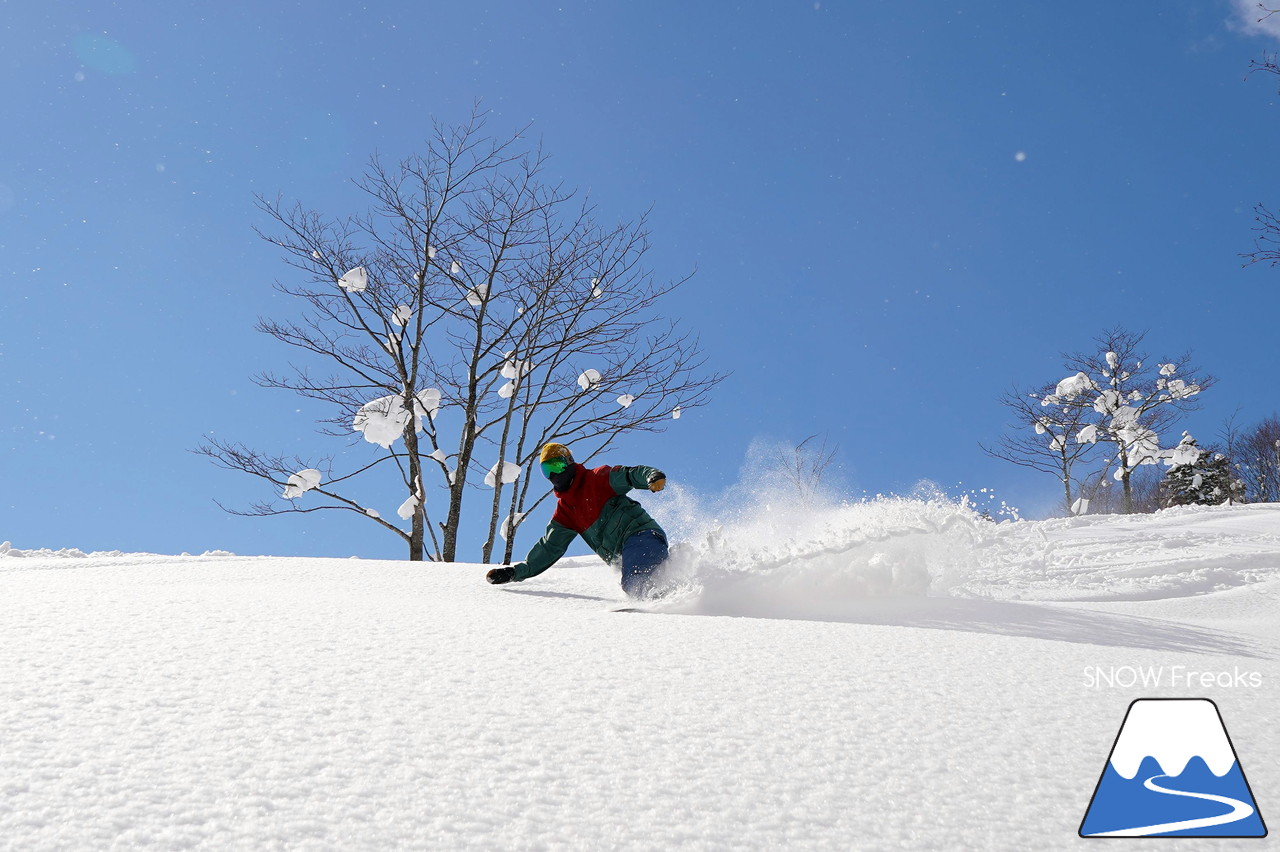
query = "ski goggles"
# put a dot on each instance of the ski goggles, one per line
(554, 466)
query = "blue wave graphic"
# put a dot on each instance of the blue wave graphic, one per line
(1122, 805)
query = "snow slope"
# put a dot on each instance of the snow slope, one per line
(892, 674)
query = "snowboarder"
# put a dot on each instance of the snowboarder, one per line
(594, 505)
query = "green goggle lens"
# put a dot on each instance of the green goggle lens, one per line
(553, 467)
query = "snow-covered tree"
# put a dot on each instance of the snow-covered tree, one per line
(455, 320)
(1113, 398)
(1198, 477)
(1129, 400)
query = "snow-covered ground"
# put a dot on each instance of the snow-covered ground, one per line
(891, 674)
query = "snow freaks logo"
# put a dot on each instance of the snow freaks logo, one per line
(1172, 772)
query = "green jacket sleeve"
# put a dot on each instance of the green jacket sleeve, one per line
(623, 479)
(554, 542)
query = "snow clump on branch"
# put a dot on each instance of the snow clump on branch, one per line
(509, 525)
(1185, 453)
(508, 472)
(1073, 386)
(301, 482)
(409, 506)
(355, 280)
(384, 419)
(513, 369)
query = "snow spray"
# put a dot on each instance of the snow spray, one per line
(780, 550)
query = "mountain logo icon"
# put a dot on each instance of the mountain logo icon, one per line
(1172, 772)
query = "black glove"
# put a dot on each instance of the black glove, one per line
(498, 576)
(657, 481)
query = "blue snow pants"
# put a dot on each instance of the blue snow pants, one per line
(642, 558)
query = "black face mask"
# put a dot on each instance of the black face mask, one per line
(562, 480)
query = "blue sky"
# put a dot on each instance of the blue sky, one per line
(896, 212)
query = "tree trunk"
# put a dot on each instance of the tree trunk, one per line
(449, 529)
(416, 547)
(511, 533)
(415, 485)
(496, 512)
(1128, 492)
(449, 550)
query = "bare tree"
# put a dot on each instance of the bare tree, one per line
(1045, 438)
(1267, 243)
(1269, 62)
(1255, 457)
(804, 466)
(472, 293)
(1229, 434)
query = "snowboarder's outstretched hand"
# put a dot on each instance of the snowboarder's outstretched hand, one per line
(657, 481)
(498, 576)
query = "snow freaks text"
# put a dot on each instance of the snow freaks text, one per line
(1127, 677)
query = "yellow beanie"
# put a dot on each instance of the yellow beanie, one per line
(555, 451)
